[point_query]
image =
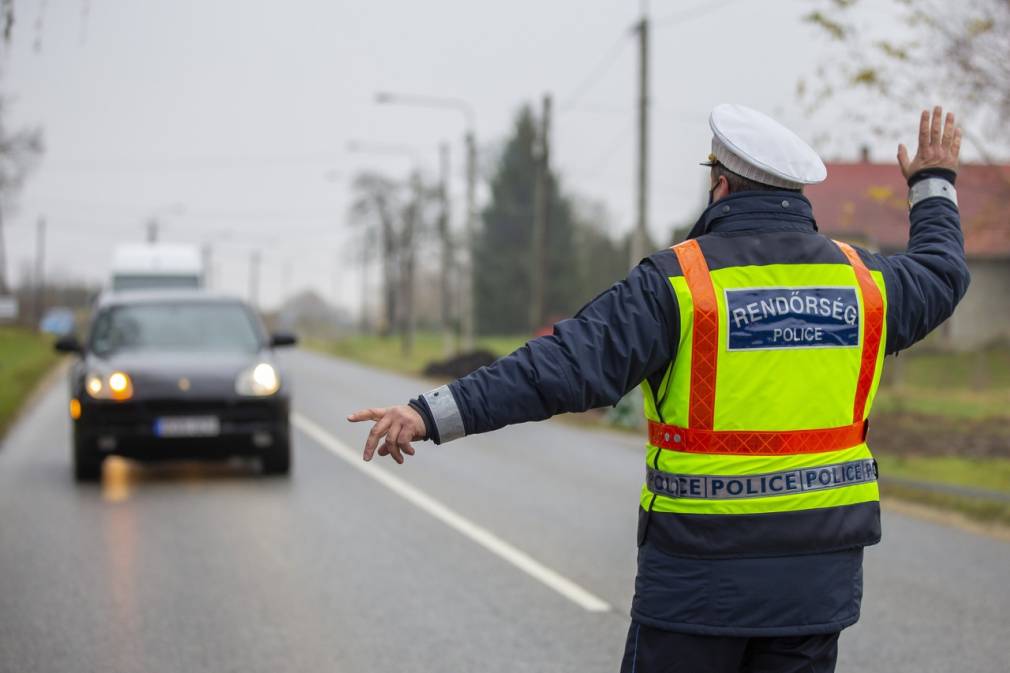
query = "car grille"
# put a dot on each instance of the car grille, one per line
(231, 410)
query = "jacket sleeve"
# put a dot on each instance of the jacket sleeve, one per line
(926, 282)
(611, 345)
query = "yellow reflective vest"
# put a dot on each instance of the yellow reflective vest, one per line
(757, 428)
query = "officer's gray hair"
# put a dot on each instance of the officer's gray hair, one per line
(738, 183)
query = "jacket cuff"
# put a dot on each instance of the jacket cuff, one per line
(418, 404)
(930, 188)
(447, 422)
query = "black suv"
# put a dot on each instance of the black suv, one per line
(176, 375)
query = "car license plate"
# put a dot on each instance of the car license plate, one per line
(187, 426)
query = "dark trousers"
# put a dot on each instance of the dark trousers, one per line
(651, 650)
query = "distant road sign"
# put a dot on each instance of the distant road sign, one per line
(8, 308)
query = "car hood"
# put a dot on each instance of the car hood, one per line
(166, 374)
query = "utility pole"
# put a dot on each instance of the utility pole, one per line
(408, 287)
(471, 220)
(366, 246)
(254, 279)
(3, 256)
(40, 276)
(447, 262)
(207, 253)
(639, 236)
(541, 217)
(285, 280)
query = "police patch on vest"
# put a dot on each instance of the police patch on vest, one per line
(792, 317)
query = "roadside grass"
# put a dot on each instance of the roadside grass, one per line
(25, 357)
(991, 474)
(950, 404)
(971, 386)
(387, 353)
(977, 509)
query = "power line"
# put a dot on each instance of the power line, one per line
(135, 211)
(604, 158)
(609, 58)
(692, 13)
(193, 163)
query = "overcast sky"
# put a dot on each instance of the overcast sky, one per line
(224, 118)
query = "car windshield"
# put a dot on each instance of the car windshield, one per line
(175, 326)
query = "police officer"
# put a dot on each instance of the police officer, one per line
(758, 344)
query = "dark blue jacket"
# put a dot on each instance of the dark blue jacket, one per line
(628, 334)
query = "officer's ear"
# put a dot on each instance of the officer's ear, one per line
(720, 188)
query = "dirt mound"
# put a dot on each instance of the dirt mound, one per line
(459, 365)
(919, 434)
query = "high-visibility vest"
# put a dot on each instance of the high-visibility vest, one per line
(757, 430)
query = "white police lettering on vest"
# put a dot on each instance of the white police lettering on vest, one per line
(720, 487)
(807, 317)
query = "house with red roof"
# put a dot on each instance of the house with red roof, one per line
(866, 204)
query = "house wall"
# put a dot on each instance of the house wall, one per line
(984, 313)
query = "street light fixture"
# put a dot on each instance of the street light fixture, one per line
(470, 118)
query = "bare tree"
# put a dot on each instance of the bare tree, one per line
(958, 51)
(378, 204)
(19, 154)
(402, 217)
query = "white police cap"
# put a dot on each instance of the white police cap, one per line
(757, 147)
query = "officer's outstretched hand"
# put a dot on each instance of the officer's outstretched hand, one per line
(396, 427)
(939, 144)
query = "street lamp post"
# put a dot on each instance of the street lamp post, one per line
(470, 142)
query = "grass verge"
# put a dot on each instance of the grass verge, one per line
(974, 509)
(25, 357)
(991, 474)
(968, 386)
(387, 352)
(986, 474)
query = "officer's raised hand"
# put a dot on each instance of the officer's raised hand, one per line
(396, 427)
(939, 144)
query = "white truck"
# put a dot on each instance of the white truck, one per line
(145, 266)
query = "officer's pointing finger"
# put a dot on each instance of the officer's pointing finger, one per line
(366, 415)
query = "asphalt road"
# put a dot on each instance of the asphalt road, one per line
(507, 552)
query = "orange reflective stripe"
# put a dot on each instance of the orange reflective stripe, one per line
(704, 337)
(749, 442)
(873, 328)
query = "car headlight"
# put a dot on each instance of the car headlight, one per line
(259, 380)
(114, 386)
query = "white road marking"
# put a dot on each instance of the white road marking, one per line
(461, 524)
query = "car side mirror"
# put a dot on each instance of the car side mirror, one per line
(68, 343)
(282, 339)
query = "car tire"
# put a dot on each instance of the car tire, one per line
(87, 461)
(277, 459)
